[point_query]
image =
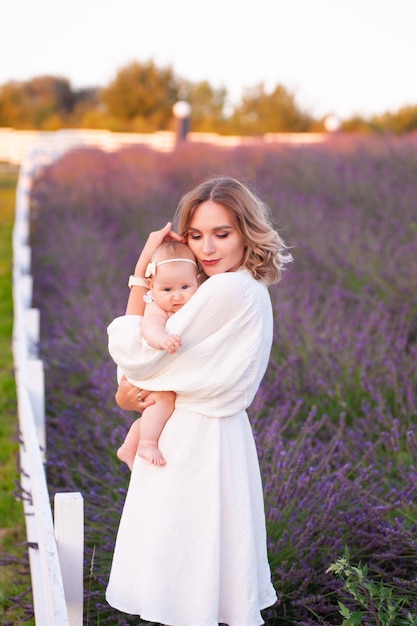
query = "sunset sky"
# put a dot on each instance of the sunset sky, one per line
(335, 56)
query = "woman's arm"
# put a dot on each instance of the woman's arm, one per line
(222, 327)
(226, 331)
(135, 303)
(127, 394)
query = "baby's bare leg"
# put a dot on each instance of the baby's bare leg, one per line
(153, 421)
(129, 447)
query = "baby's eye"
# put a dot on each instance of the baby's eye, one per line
(185, 287)
(167, 289)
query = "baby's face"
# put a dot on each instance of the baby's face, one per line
(174, 284)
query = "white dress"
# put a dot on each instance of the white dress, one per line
(191, 545)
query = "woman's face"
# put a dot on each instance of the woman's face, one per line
(215, 239)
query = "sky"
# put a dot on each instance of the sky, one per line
(340, 57)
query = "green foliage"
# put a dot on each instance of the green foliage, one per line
(141, 96)
(35, 103)
(262, 112)
(142, 92)
(399, 122)
(44, 103)
(403, 121)
(374, 599)
(207, 106)
(357, 124)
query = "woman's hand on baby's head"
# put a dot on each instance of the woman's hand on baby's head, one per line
(164, 234)
(171, 235)
(171, 343)
(153, 242)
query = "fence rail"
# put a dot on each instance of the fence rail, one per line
(55, 549)
(15, 144)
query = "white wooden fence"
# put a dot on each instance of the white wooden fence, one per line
(15, 144)
(56, 546)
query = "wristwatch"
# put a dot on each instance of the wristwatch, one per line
(137, 281)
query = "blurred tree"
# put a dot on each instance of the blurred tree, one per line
(43, 102)
(142, 95)
(403, 121)
(12, 105)
(357, 124)
(261, 112)
(88, 111)
(207, 106)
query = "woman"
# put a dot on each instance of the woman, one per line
(191, 546)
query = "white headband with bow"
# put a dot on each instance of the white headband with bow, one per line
(151, 268)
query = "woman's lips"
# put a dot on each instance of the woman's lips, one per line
(211, 262)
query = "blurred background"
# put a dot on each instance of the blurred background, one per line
(245, 68)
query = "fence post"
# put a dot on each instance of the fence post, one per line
(181, 111)
(69, 535)
(55, 553)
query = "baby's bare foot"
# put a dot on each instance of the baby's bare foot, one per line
(151, 453)
(126, 455)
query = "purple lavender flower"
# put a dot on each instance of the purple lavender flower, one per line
(335, 417)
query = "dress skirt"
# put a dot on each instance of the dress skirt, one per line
(191, 545)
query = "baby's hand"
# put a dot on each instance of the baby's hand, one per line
(171, 343)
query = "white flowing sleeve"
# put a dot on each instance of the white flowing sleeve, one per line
(226, 332)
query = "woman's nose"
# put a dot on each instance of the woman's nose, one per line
(208, 245)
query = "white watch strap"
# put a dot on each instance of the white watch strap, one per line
(138, 281)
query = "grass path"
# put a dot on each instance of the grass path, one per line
(12, 527)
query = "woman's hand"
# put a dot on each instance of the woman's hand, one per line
(153, 242)
(130, 398)
(135, 303)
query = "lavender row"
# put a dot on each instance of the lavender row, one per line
(335, 417)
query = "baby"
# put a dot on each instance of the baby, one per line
(173, 279)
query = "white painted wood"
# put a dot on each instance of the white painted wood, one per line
(69, 534)
(53, 603)
(32, 540)
(34, 149)
(25, 258)
(35, 385)
(49, 579)
(22, 258)
(32, 327)
(19, 345)
(25, 290)
(21, 225)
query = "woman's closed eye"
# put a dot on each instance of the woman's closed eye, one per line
(196, 237)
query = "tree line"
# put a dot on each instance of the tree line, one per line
(141, 96)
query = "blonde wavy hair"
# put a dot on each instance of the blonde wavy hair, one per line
(265, 251)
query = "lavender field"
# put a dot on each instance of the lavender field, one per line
(335, 418)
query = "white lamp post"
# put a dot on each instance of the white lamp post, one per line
(332, 123)
(181, 111)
